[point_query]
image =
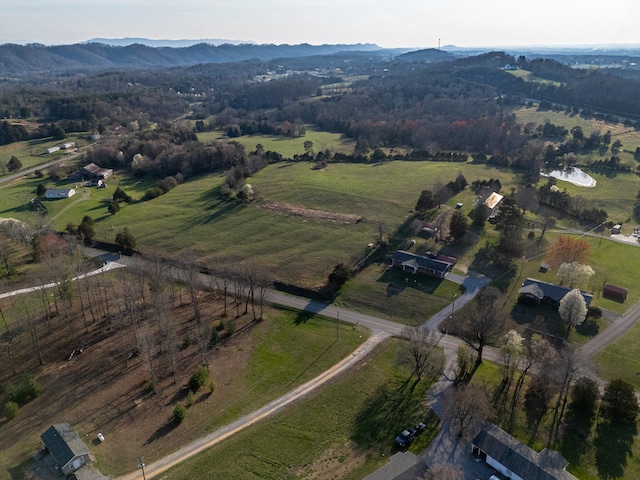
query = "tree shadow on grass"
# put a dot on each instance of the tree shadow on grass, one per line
(162, 431)
(588, 328)
(613, 444)
(391, 409)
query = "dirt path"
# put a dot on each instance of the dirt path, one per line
(225, 432)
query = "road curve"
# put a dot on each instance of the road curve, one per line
(246, 421)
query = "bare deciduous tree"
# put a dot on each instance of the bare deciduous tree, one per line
(486, 320)
(466, 406)
(418, 352)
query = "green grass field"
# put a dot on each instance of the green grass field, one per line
(629, 137)
(31, 152)
(530, 77)
(385, 293)
(322, 436)
(287, 146)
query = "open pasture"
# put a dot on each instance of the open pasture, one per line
(287, 146)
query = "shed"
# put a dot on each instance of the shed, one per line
(51, 150)
(614, 292)
(66, 447)
(67, 145)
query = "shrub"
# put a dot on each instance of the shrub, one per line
(27, 389)
(191, 398)
(10, 410)
(179, 413)
(212, 387)
(199, 378)
(152, 193)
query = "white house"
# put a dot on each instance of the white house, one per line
(517, 461)
(51, 150)
(68, 145)
(59, 192)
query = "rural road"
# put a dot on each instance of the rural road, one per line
(381, 329)
(42, 166)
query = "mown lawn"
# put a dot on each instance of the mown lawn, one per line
(621, 359)
(381, 291)
(345, 430)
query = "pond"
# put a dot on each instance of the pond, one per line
(572, 175)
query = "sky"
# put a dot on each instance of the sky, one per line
(388, 23)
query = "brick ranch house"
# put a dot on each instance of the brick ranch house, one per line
(434, 266)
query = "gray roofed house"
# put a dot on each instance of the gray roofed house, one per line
(409, 262)
(66, 447)
(543, 292)
(517, 461)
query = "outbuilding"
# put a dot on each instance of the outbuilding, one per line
(59, 193)
(65, 446)
(51, 150)
(614, 292)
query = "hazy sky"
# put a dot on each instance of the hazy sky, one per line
(388, 23)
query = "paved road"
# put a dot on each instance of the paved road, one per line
(381, 329)
(42, 166)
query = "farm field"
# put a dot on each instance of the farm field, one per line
(287, 146)
(337, 432)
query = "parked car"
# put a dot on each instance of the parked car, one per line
(420, 427)
(406, 437)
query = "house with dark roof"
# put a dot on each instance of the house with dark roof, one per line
(516, 460)
(412, 263)
(66, 447)
(93, 171)
(549, 293)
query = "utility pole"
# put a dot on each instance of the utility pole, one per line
(337, 325)
(142, 467)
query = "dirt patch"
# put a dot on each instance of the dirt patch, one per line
(309, 213)
(96, 391)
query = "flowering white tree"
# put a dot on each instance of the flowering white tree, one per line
(574, 274)
(513, 353)
(573, 309)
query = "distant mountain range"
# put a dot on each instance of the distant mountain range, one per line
(36, 58)
(123, 42)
